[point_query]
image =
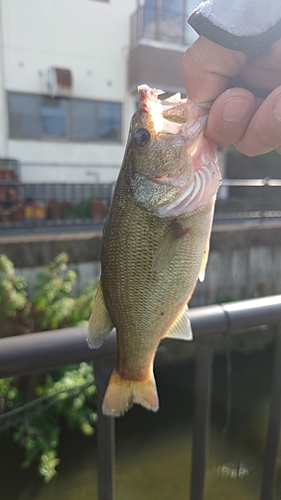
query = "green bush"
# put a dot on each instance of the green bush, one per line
(53, 307)
(34, 407)
(14, 304)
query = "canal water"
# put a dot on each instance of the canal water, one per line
(153, 451)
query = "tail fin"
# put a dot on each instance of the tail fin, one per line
(122, 393)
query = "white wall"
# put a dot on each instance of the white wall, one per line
(90, 38)
(240, 274)
(67, 162)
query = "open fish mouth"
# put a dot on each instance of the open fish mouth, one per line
(196, 177)
(173, 115)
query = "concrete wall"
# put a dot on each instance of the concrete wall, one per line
(31, 253)
(244, 261)
(86, 272)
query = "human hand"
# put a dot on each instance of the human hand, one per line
(251, 124)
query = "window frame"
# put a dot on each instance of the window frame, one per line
(49, 137)
(41, 137)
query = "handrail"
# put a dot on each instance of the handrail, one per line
(266, 181)
(47, 350)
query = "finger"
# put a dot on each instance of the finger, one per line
(263, 133)
(229, 116)
(261, 75)
(207, 67)
(265, 72)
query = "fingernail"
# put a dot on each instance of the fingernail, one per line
(277, 108)
(236, 109)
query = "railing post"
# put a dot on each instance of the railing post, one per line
(105, 435)
(203, 385)
(273, 428)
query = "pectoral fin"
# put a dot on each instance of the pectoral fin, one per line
(168, 246)
(100, 323)
(165, 252)
(181, 328)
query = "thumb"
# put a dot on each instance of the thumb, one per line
(207, 68)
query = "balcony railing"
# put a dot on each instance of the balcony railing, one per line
(52, 204)
(160, 25)
(44, 351)
(29, 205)
(249, 199)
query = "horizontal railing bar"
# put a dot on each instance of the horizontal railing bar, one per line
(48, 350)
(266, 181)
(233, 316)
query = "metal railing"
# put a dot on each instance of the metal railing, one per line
(249, 198)
(45, 351)
(24, 205)
(39, 205)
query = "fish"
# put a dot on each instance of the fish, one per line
(155, 242)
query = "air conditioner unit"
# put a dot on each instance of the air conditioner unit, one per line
(58, 81)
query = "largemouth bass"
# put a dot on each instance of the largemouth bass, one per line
(155, 242)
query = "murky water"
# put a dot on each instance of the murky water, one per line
(153, 451)
(156, 466)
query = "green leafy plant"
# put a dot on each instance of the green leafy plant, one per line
(14, 304)
(65, 394)
(52, 305)
(34, 407)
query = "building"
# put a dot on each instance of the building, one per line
(69, 70)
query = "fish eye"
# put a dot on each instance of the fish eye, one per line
(141, 137)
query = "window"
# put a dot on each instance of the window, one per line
(172, 5)
(52, 116)
(83, 120)
(164, 20)
(34, 116)
(109, 118)
(23, 116)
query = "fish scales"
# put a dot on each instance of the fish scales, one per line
(150, 263)
(138, 237)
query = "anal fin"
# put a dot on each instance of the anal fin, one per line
(100, 323)
(181, 328)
